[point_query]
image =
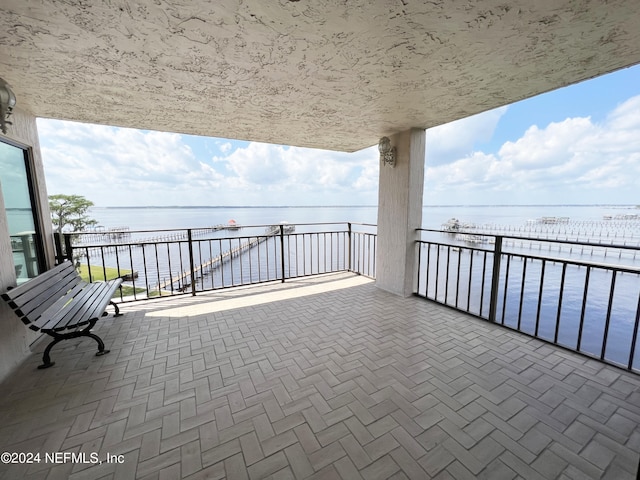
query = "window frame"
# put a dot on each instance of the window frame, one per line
(29, 165)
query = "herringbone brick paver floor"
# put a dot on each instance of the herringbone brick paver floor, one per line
(322, 378)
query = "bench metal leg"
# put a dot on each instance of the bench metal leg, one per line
(57, 337)
(115, 305)
(46, 359)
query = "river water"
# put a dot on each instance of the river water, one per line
(142, 218)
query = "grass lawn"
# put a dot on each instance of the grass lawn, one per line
(99, 274)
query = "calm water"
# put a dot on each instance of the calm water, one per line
(144, 218)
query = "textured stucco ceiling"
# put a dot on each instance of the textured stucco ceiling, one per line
(331, 74)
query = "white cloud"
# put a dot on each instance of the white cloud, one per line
(276, 168)
(572, 161)
(117, 166)
(548, 147)
(626, 116)
(450, 141)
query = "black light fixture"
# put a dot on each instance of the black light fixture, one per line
(7, 102)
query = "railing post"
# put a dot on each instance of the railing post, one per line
(68, 249)
(495, 279)
(57, 241)
(191, 265)
(419, 247)
(282, 251)
(349, 247)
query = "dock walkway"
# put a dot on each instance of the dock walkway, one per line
(219, 260)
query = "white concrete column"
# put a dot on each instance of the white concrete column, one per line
(400, 214)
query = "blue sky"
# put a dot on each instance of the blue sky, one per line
(592, 98)
(576, 145)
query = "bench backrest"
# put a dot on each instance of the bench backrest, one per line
(34, 297)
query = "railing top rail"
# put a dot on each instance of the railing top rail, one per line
(585, 263)
(531, 239)
(163, 230)
(569, 261)
(93, 232)
(180, 236)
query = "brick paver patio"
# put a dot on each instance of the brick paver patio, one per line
(326, 377)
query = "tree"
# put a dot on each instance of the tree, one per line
(70, 211)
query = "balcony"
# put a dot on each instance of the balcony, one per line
(319, 376)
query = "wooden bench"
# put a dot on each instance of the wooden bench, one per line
(59, 303)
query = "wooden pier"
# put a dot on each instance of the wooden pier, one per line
(605, 237)
(219, 260)
(118, 240)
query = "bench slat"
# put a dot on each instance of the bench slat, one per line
(44, 296)
(57, 312)
(45, 292)
(34, 282)
(33, 310)
(101, 302)
(89, 304)
(90, 296)
(34, 286)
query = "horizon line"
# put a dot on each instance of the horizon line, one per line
(375, 206)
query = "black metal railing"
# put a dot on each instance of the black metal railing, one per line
(578, 295)
(187, 261)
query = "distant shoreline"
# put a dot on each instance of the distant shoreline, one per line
(609, 205)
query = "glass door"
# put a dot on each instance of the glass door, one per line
(17, 192)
